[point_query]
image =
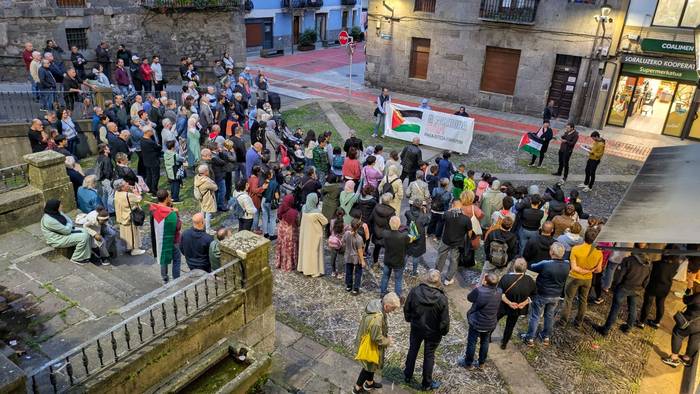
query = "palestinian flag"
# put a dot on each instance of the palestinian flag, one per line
(405, 121)
(165, 231)
(530, 145)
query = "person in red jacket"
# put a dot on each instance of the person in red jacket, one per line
(146, 75)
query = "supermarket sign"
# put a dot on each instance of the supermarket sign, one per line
(660, 72)
(676, 64)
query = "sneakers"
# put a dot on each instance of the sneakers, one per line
(653, 324)
(348, 289)
(503, 346)
(545, 341)
(105, 262)
(674, 362)
(640, 325)
(433, 386)
(81, 262)
(625, 328)
(355, 292)
(374, 385)
(598, 301)
(600, 330)
(556, 174)
(448, 282)
(531, 165)
(586, 189)
(357, 391)
(581, 185)
(137, 252)
(463, 363)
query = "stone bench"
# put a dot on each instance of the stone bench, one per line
(271, 52)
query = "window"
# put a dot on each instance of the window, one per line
(425, 6)
(70, 3)
(500, 70)
(420, 52)
(77, 37)
(677, 13)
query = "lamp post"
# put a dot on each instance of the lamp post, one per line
(692, 111)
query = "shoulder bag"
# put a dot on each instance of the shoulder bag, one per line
(137, 215)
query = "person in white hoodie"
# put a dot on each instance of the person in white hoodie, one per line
(570, 238)
(247, 210)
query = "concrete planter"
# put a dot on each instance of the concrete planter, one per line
(305, 48)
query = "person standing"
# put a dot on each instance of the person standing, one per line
(102, 57)
(417, 215)
(204, 189)
(374, 332)
(660, 283)
(439, 204)
(381, 214)
(47, 86)
(517, 288)
(354, 257)
(150, 152)
(692, 332)
(173, 161)
(195, 244)
(78, 61)
(392, 185)
(566, 149)
(454, 236)
(482, 318)
(544, 135)
(121, 77)
(126, 199)
(411, 156)
(395, 245)
(311, 238)
(537, 248)
(427, 310)
(383, 101)
(287, 233)
(165, 234)
(548, 112)
(585, 260)
(595, 153)
(158, 76)
(248, 209)
(529, 219)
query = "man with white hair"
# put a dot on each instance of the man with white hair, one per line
(517, 289)
(427, 309)
(47, 85)
(204, 189)
(169, 134)
(34, 67)
(395, 245)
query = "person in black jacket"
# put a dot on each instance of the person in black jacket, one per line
(517, 288)
(150, 152)
(379, 220)
(537, 249)
(482, 318)
(631, 279)
(239, 149)
(120, 144)
(505, 236)
(660, 282)
(103, 58)
(544, 135)
(352, 142)
(194, 244)
(692, 315)
(395, 245)
(427, 309)
(411, 156)
(566, 149)
(418, 214)
(548, 112)
(457, 228)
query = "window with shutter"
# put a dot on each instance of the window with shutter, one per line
(420, 52)
(424, 6)
(500, 70)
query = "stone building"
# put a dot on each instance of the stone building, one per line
(146, 27)
(506, 55)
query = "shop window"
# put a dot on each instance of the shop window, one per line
(500, 70)
(420, 53)
(425, 6)
(77, 37)
(677, 13)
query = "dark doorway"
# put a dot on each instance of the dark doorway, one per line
(321, 24)
(563, 84)
(295, 29)
(258, 32)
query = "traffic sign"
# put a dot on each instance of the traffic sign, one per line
(343, 38)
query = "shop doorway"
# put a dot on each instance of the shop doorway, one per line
(644, 104)
(563, 84)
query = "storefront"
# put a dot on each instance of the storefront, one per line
(653, 94)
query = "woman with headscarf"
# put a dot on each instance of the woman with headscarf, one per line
(59, 232)
(193, 147)
(287, 235)
(491, 201)
(330, 194)
(348, 198)
(311, 238)
(392, 179)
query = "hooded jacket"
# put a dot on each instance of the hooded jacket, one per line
(365, 205)
(633, 274)
(484, 311)
(380, 222)
(661, 278)
(537, 249)
(491, 201)
(427, 309)
(373, 324)
(417, 247)
(206, 188)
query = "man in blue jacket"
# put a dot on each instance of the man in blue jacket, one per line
(482, 317)
(194, 244)
(550, 285)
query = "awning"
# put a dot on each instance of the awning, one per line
(663, 203)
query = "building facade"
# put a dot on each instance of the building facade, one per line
(170, 29)
(655, 82)
(506, 55)
(279, 23)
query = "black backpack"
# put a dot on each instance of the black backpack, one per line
(298, 200)
(498, 250)
(438, 203)
(388, 188)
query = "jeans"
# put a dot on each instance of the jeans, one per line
(152, 178)
(256, 220)
(609, 274)
(269, 222)
(245, 224)
(207, 221)
(429, 347)
(238, 172)
(591, 167)
(576, 286)
(483, 337)
(124, 90)
(47, 99)
(106, 195)
(176, 265)
(108, 246)
(436, 224)
(546, 305)
(445, 252)
(380, 122)
(646, 305)
(511, 320)
(416, 260)
(619, 296)
(353, 276)
(72, 145)
(221, 194)
(526, 235)
(398, 279)
(175, 189)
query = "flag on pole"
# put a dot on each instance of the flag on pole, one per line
(529, 145)
(406, 121)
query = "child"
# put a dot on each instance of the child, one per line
(354, 257)
(469, 183)
(337, 162)
(432, 178)
(483, 184)
(215, 249)
(335, 241)
(458, 182)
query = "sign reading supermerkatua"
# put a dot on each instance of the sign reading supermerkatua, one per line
(436, 129)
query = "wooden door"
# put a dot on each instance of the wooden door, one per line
(254, 35)
(295, 29)
(563, 85)
(500, 72)
(420, 54)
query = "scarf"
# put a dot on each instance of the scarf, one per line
(51, 209)
(311, 205)
(286, 211)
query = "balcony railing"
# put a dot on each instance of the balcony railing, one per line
(188, 5)
(348, 2)
(70, 3)
(301, 4)
(509, 11)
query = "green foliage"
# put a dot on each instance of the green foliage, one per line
(308, 37)
(357, 34)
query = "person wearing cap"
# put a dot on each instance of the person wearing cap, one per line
(136, 75)
(103, 236)
(427, 310)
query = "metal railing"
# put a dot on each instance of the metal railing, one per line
(14, 177)
(348, 2)
(301, 4)
(509, 11)
(191, 4)
(70, 3)
(24, 106)
(109, 347)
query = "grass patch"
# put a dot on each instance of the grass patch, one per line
(364, 127)
(311, 117)
(531, 354)
(589, 363)
(525, 163)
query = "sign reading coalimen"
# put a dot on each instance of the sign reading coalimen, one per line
(666, 46)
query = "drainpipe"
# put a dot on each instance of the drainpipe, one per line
(611, 91)
(587, 80)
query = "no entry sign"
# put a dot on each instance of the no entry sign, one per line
(343, 38)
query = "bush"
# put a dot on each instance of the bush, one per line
(308, 37)
(357, 34)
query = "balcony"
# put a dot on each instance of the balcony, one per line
(192, 5)
(70, 3)
(509, 11)
(287, 4)
(348, 2)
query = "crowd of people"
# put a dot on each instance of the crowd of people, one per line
(366, 208)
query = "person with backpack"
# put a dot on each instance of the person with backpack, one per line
(439, 203)
(337, 161)
(242, 206)
(417, 219)
(392, 184)
(500, 248)
(458, 229)
(418, 189)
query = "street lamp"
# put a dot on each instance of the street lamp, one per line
(605, 11)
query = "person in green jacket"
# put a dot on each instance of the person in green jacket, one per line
(59, 232)
(215, 247)
(458, 182)
(375, 325)
(172, 162)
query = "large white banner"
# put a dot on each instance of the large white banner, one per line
(436, 129)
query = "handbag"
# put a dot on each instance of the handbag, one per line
(137, 215)
(476, 226)
(180, 174)
(681, 321)
(368, 351)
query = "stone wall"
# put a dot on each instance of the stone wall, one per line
(203, 35)
(458, 49)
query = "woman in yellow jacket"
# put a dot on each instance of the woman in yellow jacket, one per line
(595, 153)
